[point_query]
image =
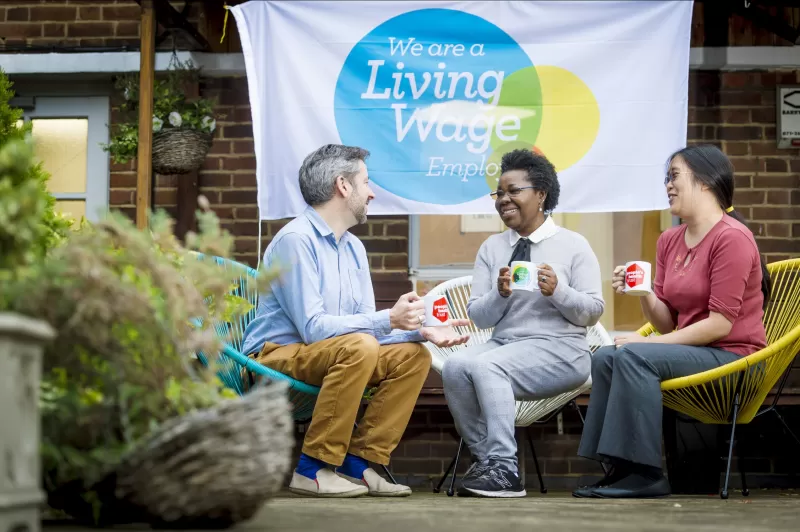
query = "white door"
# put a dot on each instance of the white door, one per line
(68, 132)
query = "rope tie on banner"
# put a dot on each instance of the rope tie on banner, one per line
(225, 21)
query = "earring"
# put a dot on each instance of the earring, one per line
(540, 207)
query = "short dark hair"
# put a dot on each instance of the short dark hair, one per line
(321, 168)
(541, 173)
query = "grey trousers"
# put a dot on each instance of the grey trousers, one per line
(624, 415)
(483, 382)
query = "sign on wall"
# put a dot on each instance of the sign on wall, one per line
(788, 98)
(439, 91)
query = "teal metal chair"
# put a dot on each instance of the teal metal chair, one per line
(240, 372)
(231, 360)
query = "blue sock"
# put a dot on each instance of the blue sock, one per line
(353, 466)
(308, 466)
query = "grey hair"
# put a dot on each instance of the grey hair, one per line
(320, 169)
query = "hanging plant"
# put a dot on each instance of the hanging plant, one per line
(182, 127)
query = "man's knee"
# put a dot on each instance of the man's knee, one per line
(360, 349)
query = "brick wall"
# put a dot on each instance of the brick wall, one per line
(736, 111)
(63, 23)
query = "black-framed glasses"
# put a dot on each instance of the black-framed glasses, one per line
(514, 192)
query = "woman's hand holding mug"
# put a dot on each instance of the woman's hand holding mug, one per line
(504, 281)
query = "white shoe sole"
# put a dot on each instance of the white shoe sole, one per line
(496, 494)
(358, 492)
(403, 493)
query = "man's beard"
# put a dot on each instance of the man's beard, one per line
(359, 210)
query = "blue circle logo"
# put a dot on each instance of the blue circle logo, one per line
(422, 92)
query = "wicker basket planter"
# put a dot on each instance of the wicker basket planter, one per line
(210, 469)
(22, 341)
(179, 151)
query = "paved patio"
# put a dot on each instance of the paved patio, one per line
(764, 510)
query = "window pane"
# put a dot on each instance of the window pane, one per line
(443, 243)
(75, 209)
(62, 144)
(616, 238)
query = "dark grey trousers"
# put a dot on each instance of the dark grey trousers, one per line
(624, 415)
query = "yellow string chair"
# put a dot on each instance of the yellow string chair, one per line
(735, 393)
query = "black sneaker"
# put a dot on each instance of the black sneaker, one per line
(497, 481)
(475, 470)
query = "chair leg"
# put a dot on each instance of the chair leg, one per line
(578, 409)
(452, 489)
(740, 460)
(724, 494)
(389, 474)
(542, 487)
(786, 426)
(438, 487)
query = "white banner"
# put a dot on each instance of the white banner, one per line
(439, 91)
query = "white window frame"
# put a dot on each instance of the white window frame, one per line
(96, 110)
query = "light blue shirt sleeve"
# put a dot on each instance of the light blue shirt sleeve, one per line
(297, 292)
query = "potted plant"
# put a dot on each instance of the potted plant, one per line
(133, 428)
(182, 127)
(28, 227)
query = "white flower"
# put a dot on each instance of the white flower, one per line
(157, 124)
(209, 123)
(175, 119)
(127, 94)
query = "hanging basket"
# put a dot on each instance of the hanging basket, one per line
(179, 151)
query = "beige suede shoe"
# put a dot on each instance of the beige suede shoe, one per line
(378, 486)
(327, 484)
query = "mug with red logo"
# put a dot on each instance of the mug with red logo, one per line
(437, 313)
(638, 280)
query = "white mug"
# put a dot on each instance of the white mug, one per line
(437, 313)
(638, 278)
(523, 276)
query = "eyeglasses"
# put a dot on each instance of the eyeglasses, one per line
(514, 192)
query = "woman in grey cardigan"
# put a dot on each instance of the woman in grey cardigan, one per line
(538, 348)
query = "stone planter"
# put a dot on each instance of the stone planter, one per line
(22, 341)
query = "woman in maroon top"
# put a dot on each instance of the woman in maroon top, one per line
(710, 290)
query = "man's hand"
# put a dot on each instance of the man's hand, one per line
(446, 336)
(408, 313)
(504, 281)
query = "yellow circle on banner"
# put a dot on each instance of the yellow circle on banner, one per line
(570, 117)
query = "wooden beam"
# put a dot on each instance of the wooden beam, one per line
(144, 176)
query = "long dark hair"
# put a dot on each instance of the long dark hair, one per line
(712, 168)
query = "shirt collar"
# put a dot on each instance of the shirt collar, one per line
(543, 232)
(316, 220)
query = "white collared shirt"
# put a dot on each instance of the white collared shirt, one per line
(543, 232)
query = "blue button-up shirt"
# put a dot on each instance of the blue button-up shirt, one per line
(325, 290)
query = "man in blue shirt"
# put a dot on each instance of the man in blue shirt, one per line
(318, 323)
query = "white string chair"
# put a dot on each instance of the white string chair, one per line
(457, 292)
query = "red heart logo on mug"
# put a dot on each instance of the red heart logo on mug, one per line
(634, 275)
(440, 310)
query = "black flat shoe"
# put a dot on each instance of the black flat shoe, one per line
(615, 475)
(634, 487)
